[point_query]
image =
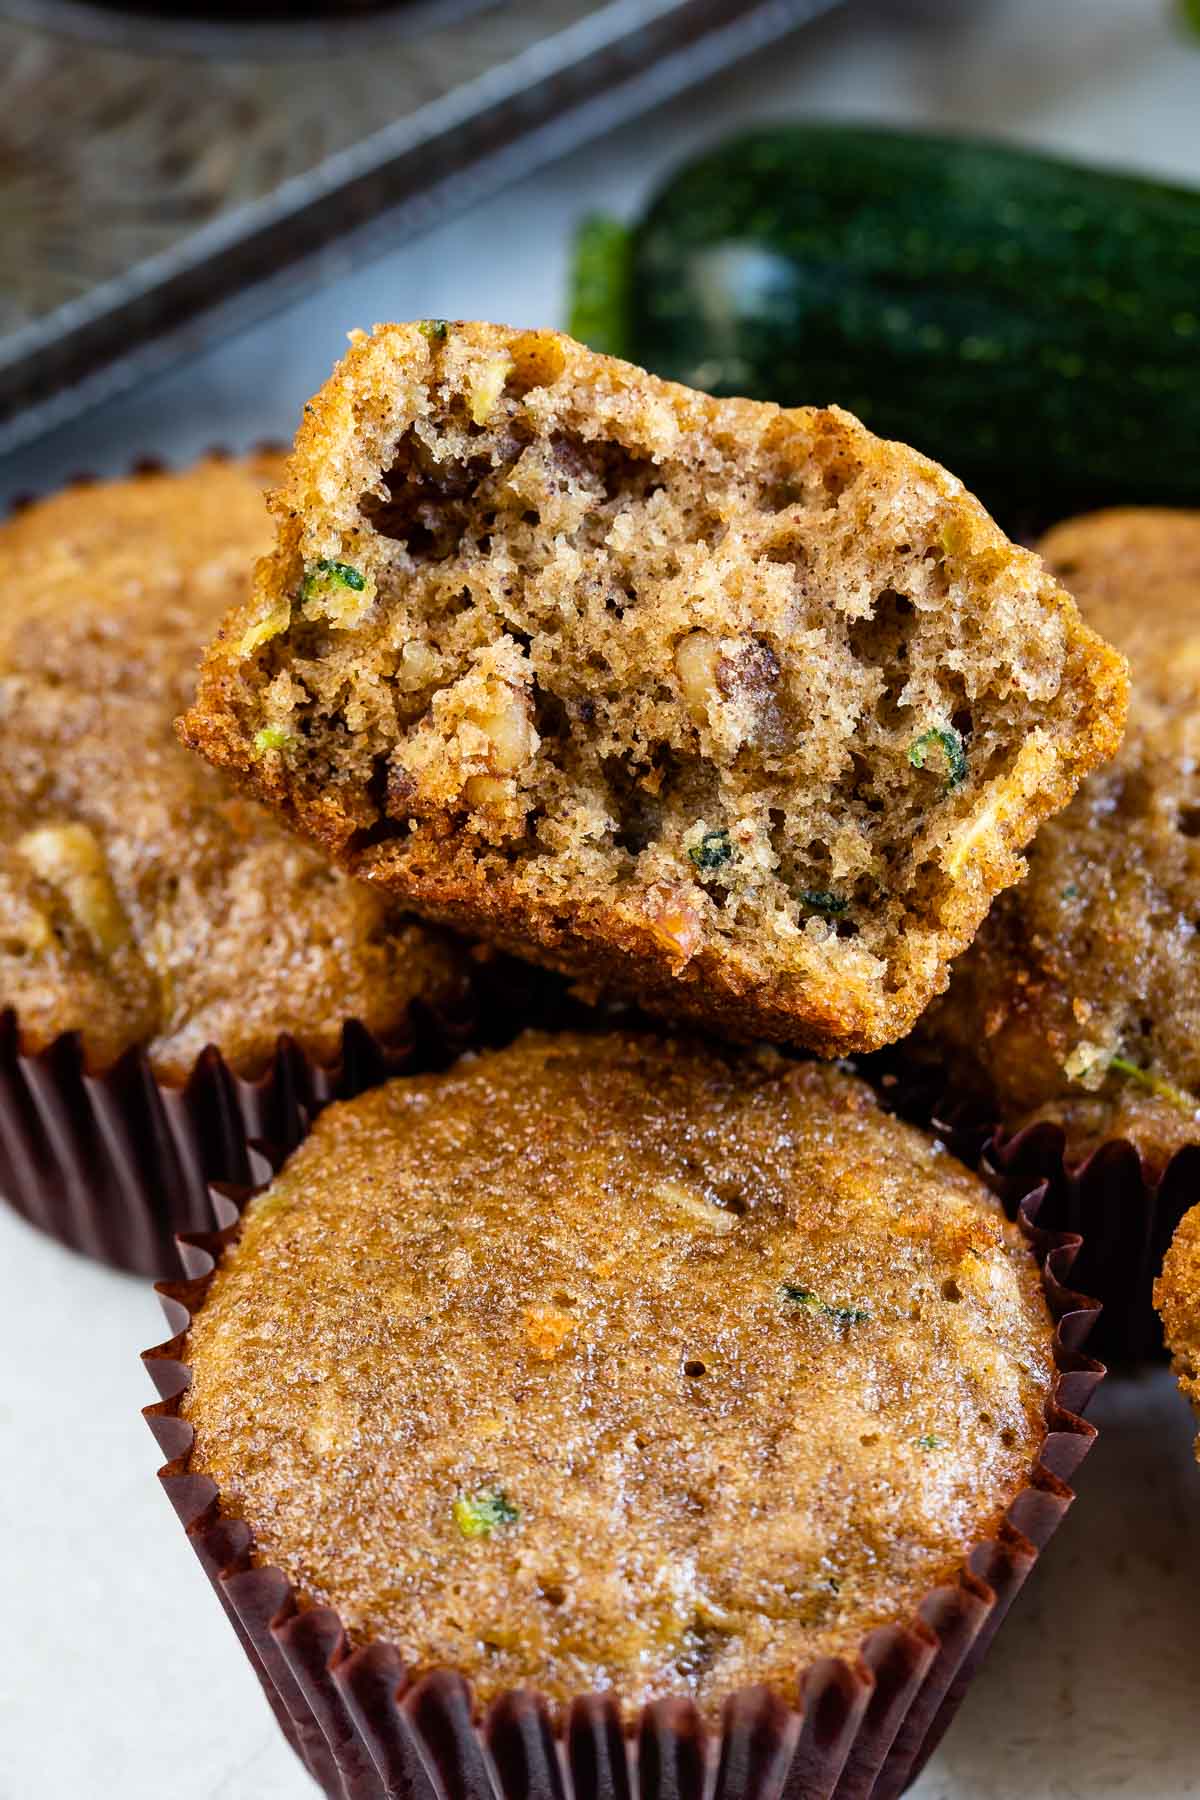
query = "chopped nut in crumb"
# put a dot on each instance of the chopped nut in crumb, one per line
(1087, 1064)
(509, 728)
(416, 667)
(71, 859)
(675, 923)
(32, 930)
(696, 660)
(486, 790)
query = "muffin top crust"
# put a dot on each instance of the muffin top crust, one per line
(141, 900)
(1079, 1000)
(609, 1362)
(1177, 1298)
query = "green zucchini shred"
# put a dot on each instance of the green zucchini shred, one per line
(1154, 1084)
(478, 1515)
(271, 737)
(820, 901)
(950, 743)
(327, 574)
(929, 1440)
(841, 1315)
(712, 852)
(434, 329)
(845, 1315)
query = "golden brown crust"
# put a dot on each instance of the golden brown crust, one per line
(161, 555)
(142, 902)
(614, 1362)
(1177, 1297)
(804, 558)
(1096, 954)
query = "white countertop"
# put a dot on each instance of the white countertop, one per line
(118, 1674)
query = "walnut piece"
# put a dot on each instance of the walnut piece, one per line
(510, 729)
(71, 858)
(696, 660)
(674, 922)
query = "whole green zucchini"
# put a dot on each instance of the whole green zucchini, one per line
(1033, 324)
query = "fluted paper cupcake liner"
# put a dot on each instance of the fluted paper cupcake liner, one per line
(855, 1728)
(1126, 1212)
(1125, 1209)
(118, 1164)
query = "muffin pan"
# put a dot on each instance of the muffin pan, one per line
(357, 131)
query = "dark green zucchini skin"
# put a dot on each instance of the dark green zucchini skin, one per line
(1032, 324)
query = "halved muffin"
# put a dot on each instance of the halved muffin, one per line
(745, 712)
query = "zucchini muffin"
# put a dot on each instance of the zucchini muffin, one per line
(1177, 1297)
(744, 712)
(143, 902)
(1079, 1001)
(612, 1363)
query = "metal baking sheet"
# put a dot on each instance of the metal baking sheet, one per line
(164, 180)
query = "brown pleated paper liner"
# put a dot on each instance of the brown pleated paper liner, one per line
(1125, 1210)
(117, 1164)
(857, 1728)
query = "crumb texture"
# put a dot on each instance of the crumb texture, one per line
(614, 1362)
(142, 900)
(744, 711)
(1080, 999)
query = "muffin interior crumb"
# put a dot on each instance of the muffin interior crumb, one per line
(751, 685)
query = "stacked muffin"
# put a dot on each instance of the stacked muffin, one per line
(617, 1386)
(1075, 1012)
(1080, 999)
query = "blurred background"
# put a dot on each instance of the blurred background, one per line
(164, 185)
(196, 205)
